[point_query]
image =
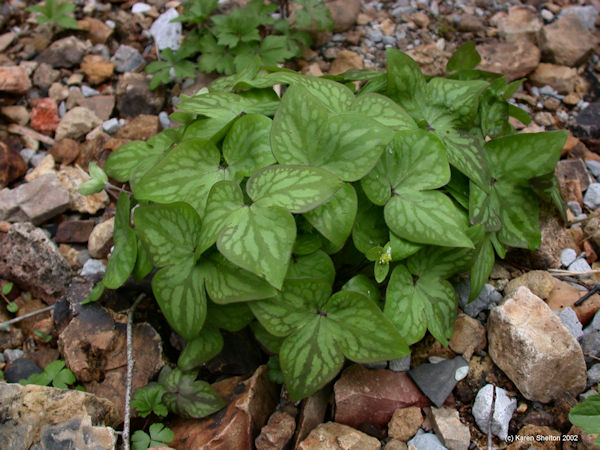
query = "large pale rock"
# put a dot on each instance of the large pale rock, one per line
(512, 59)
(32, 260)
(35, 416)
(566, 41)
(76, 123)
(250, 403)
(94, 348)
(528, 342)
(561, 78)
(71, 178)
(448, 427)
(519, 23)
(335, 436)
(14, 79)
(364, 396)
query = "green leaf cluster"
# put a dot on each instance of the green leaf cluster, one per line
(55, 374)
(248, 36)
(586, 415)
(55, 11)
(264, 211)
(159, 436)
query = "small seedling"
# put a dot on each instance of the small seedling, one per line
(159, 436)
(148, 400)
(53, 11)
(44, 336)
(586, 415)
(54, 373)
(6, 289)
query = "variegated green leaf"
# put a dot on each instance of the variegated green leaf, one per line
(363, 285)
(186, 174)
(523, 156)
(369, 229)
(207, 345)
(122, 260)
(260, 241)
(376, 185)
(247, 146)
(363, 333)
(310, 358)
(295, 188)
(426, 217)
(211, 129)
(401, 248)
(143, 263)
(334, 219)
(186, 397)
(381, 270)
(296, 127)
(466, 57)
(405, 82)
(271, 343)
(179, 291)
(335, 96)
(383, 110)
(464, 149)
(484, 208)
(223, 207)
(168, 232)
(460, 98)
(232, 317)
(316, 266)
(482, 267)
(519, 215)
(350, 145)
(122, 162)
(547, 188)
(226, 283)
(222, 105)
(307, 243)
(417, 304)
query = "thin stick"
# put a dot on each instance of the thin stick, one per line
(18, 129)
(568, 272)
(130, 364)
(26, 316)
(491, 419)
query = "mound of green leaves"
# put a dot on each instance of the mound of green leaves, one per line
(329, 219)
(586, 415)
(227, 43)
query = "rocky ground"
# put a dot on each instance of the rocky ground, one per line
(69, 98)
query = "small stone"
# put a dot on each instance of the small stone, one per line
(345, 61)
(277, 432)
(566, 41)
(31, 259)
(579, 265)
(372, 396)
(512, 59)
(166, 33)
(67, 52)
(17, 114)
(65, 151)
(569, 319)
(469, 336)
(98, 31)
(165, 122)
(14, 80)
(468, 23)
(504, 407)
(74, 231)
(593, 167)
(101, 105)
(44, 167)
(400, 364)
(527, 341)
(395, 444)
(593, 375)
(140, 8)
(127, 59)
(19, 369)
(111, 126)
(438, 380)
(97, 69)
(518, 24)
(332, 435)
(545, 437)
(12, 355)
(591, 199)
(544, 119)
(431, 59)
(143, 127)
(561, 78)
(487, 298)
(12, 166)
(312, 413)
(405, 423)
(587, 15)
(6, 39)
(44, 116)
(425, 441)
(344, 13)
(575, 208)
(93, 268)
(449, 429)
(71, 178)
(567, 257)
(76, 123)
(134, 96)
(548, 16)
(88, 91)
(45, 76)
(100, 239)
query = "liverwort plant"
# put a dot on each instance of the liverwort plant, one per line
(329, 219)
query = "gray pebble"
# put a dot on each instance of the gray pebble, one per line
(593, 375)
(487, 298)
(575, 208)
(27, 154)
(83, 256)
(547, 15)
(587, 394)
(164, 120)
(13, 353)
(88, 91)
(62, 109)
(92, 267)
(567, 257)
(579, 265)
(591, 199)
(426, 441)
(111, 24)
(140, 8)
(400, 364)
(111, 126)
(389, 40)
(376, 365)
(127, 59)
(37, 158)
(587, 15)
(504, 406)
(375, 35)
(593, 167)
(166, 33)
(569, 319)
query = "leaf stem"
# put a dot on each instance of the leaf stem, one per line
(130, 364)
(25, 316)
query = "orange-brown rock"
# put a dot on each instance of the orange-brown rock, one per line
(12, 165)
(97, 69)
